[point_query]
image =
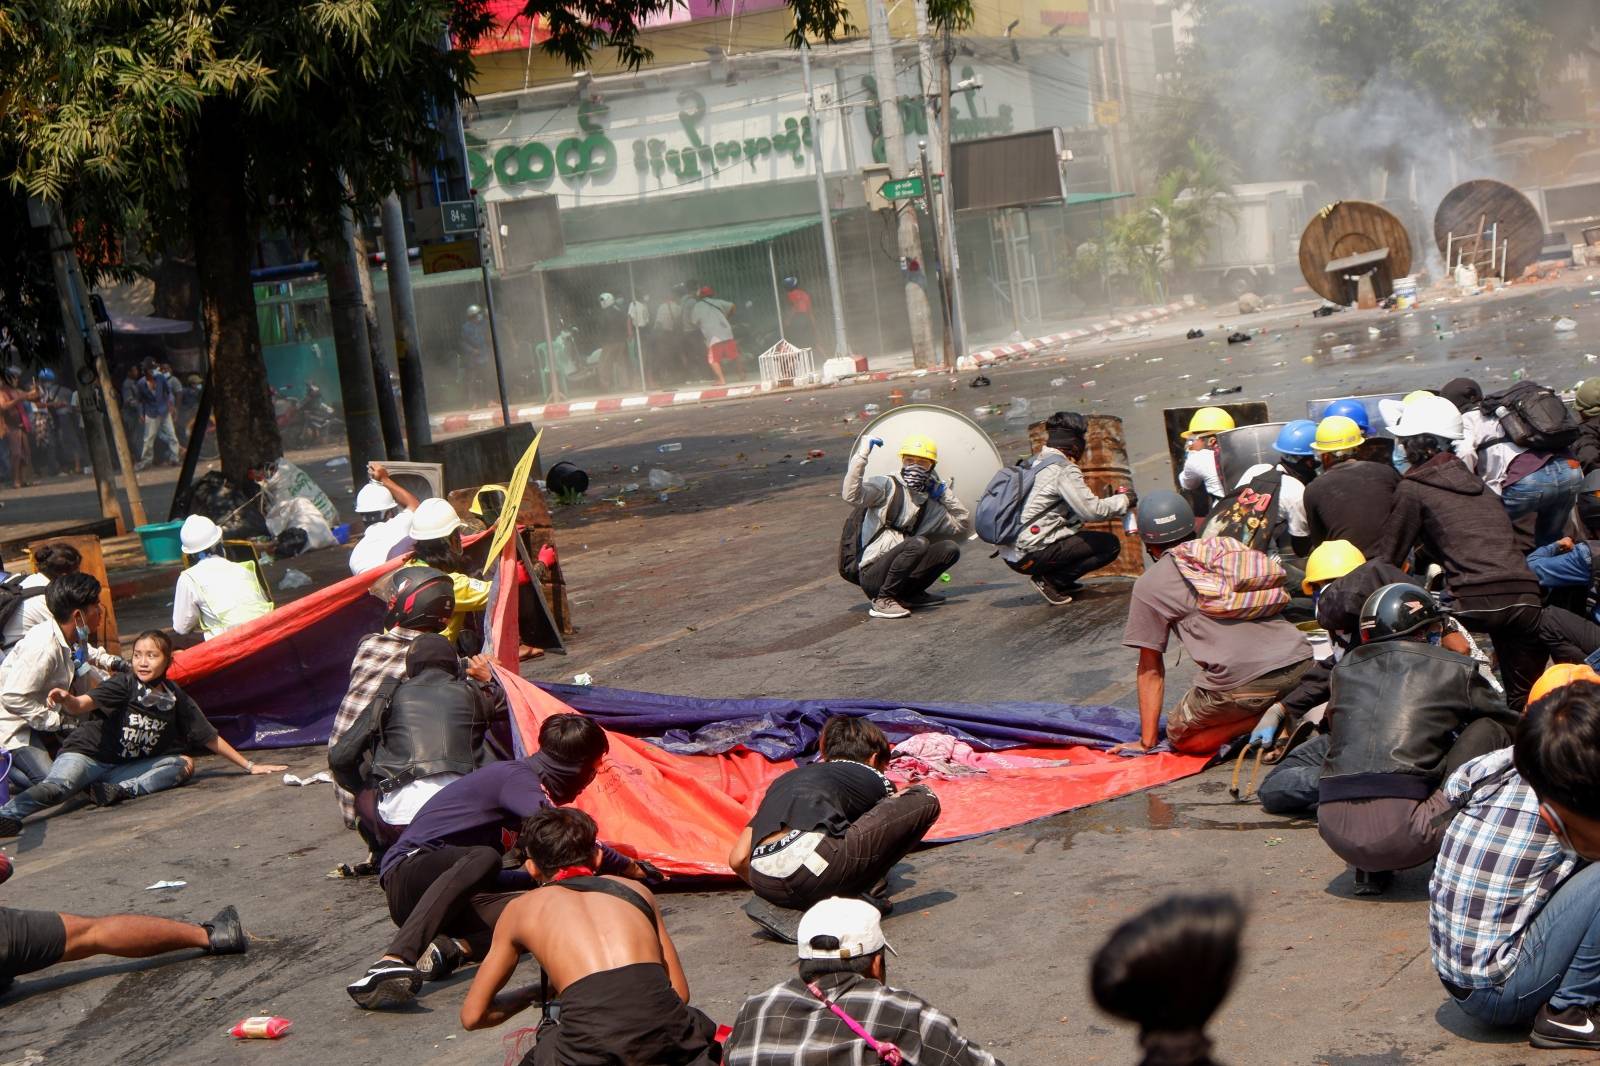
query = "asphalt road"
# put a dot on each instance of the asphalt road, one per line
(727, 588)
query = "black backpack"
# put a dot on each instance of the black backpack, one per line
(1533, 417)
(850, 547)
(11, 596)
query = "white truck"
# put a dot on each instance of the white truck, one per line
(1568, 208)
(1258, 249)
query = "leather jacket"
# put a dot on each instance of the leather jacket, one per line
(1393, 713)
(429, 724)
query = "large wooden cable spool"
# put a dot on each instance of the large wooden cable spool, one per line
(1353, 232)
(1482, 209)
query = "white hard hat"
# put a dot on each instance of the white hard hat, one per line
(435, 519)
(1429, 414)
(606, 299)
(374, 498)
(198, 534)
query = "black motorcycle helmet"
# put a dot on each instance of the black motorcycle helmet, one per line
(1395, 611)
(423, 598)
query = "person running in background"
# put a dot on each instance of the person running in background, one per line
(799, 320)
(605, 959)
(710, 316)
(1167, 970)
(133, 730)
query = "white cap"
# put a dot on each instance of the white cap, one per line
(854, 923)
(606, 299)
(198, 534)
(373, 499)
(435, 519)
(1429, 414)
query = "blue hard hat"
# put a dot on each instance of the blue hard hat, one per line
(1295, 437)
(1354, 410)
(46, 374)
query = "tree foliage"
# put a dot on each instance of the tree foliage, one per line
(1170, 230)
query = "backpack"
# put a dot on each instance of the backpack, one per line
(851, 549)
(1250, 514)
(12, 594)
(1533, 417)
(997, 518)
(1231, 580)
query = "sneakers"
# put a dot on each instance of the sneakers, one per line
(884, 607)
(1571, 1027)
(440, 959)
(9, 826)
(1051, 594)
(105, 794)
(226, 935)
(922, 599)
(385, 986)
(1373, 882)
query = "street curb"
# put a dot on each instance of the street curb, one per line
(549, 412)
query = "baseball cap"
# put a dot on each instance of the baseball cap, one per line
(839, 928)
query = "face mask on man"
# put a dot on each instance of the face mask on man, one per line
(916, 478)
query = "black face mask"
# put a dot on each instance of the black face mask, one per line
(562, 780)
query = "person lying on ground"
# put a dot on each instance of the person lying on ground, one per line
(834, 827)
(1514, 903)
(816, 1018)
(49, 657)
(214, 594)
(910, 530)
(50, 561)
(443, 878)
(611, 986)
(1053, 550)
(418, 735)
(1247, 664)
(436, 531)
(133, 730)
(1167, 970)
(1404, 715)
(386, 509)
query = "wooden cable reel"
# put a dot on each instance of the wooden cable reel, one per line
(1483, 210)
(1348, 236)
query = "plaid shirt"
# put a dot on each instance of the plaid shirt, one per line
(787, 1026)
(1497, 867)
(379, 657)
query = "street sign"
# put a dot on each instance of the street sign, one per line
(907, 188)
(459, 216)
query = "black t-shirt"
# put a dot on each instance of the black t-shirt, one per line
(821, 795)
(1352, 502)
(133, 721)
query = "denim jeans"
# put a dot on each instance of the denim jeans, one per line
(29, 766)
(73, 773)
(1291, 787)
(1558, 961)
(1549, 492)
(158, 430)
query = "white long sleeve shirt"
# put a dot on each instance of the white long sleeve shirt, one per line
(41, 661)
(31, 613)
(1200, 472)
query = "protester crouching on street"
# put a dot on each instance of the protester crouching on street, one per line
(817, 1017)
(1053, 550)
(1528, 481)
(57, 655)
(611, 985)
(1586, 449)
(386, 509)
(1292, 475)
(1442, 506)
(1247, 665)
(1350, 501)
(436, 532)
(1404, 715)
(214, 594)
(1167, 970)
(50, 561)
(910, 528)
(443, 877)
(1514, 901)
(1200, 469)
(133, 731)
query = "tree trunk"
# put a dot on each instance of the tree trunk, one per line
(247, 430)
(394, 441)
(352, 347)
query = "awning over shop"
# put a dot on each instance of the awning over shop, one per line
(683, 242)
(1074, 199)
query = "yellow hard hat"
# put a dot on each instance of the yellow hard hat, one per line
(1336, 433)
(921, 448)
(1208, 420)
(1413, 397)
(1560, 676)
(1330, 560)
(477, 498)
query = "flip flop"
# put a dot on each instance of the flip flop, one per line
(782, 923)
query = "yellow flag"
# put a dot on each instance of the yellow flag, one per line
(507, 523)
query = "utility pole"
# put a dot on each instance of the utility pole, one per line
(952, 253)
(77, 326)
(403, 310)
(484, 255)
(394, 441)
(938, 254)
(352, 347)
(841, 347)
(910, 236)
(935, 219)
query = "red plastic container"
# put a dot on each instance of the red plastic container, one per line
(260, 1027)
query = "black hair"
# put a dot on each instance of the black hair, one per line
(160, 639)
(811, 969)
(855, 739)
(557, 837)
(573, 738)
(1422, 447)
(1168, 970)
(1557, 750)
(57, 560)
(443, 554)
(71, 592)
(1069, 421)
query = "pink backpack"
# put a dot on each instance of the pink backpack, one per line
(1230, 580)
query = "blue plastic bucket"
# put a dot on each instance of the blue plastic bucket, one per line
(160, 540)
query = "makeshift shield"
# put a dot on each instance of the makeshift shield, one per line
(968, 459)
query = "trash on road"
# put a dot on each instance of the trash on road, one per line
(1090, 384)
(674, 446)
(921, 395)
(584, 680)
(316, 778)
(1141, 398)
(159, 885)
(293, 579)
(338, 461)
(1056, 383)
(665, 479)
(1237, 337)
(1565, 325)
(1340, 349)
(1195, 334)
(979, 382)
(870, 408)
(260, 1027)
(815, 453)
(1225, 390)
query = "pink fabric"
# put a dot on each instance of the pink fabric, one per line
(939, 755)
